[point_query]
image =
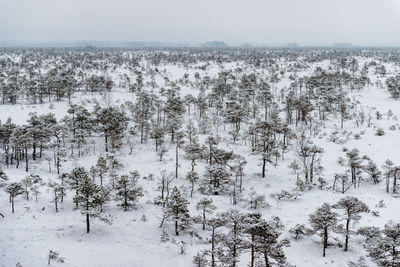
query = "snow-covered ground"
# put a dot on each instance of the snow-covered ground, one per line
(35, 228)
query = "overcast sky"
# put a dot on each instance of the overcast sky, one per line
(234, 21)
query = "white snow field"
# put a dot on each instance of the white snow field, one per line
(35, 228)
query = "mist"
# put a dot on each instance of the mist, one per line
(362, 22)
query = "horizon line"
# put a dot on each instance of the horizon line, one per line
(218, 43)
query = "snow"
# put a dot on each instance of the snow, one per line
(35, 228)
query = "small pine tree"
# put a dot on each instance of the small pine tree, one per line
(101, 169)
(268, 244)
(354, 161)
(127, 189)
(177, 210)
(214, 224)
(164, 236)
(323, 220)
(352, 208)
(371, 233)
(344, 180)
(192, 177)
(216, 180)
(388, 167)
(75, 178)
(90, 198)
(200, 259)
(206, 206)
(14, 189)
(385, 250)
(3, 178)
(232, 243)
(251, 222)
(53, 255)
(58, 191)
(257, 200)
(373, 171)
(299, 230)
(29, 183)
(393, 86)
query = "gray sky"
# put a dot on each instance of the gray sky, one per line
(233, 21)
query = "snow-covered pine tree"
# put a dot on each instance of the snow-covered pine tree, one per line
(157, 133)
(30, 182)
(354, 161)
(217, 180)
(58, 191)
(385, 250)
(238, 168)
(3, 178)
(165, 180)
(101, 168)
(179, 141)
(127, 189)
(393, 86)
(299, 230)
(14, 189)
(388, 173)
(111, 122)
(142, 111)
(200, 259)
(266, 145)
(309, 156)
(192, 177)
(90, 197)
(214, 224)
(267, 243)
(177, 211)
(76, 176)
(352, 207)
(232, 243)
(323, 220)
(373, 171)
(206, 206)
(251, 222)
(344, 180)
(174, 109)
(194, 152)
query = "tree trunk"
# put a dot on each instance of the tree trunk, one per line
(263, 167)
(87, 224)
(204, 220)
(34, 152)
(12, 204)
(213, 248)
(346, 244)
(106, 141)
(176, 159)
(252, 250)
(125, 198)
(267, 264)
(325, 245)
(387, 184)
(55, 200)
(58, 163)
(26, 159)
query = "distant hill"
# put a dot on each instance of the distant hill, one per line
(215, 44)
(246, 45)
(292, 45)
(343, 45)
